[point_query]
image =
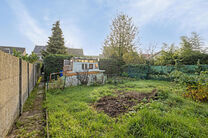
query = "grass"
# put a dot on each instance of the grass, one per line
(71, 113)
(31, 123)
(31, 99)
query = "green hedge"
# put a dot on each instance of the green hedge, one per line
(159, 72)
(54, 63)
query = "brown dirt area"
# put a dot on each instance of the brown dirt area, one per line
(113, 106)
(32, 121)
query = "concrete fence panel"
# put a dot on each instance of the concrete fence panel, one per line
(24, 81)
(17, 80)
(9, 91)
(31, 77)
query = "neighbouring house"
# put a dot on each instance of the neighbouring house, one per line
(71, 51)
(10, 49)
(156, 55)
(79, 68)
(146, 56)
(37, 50)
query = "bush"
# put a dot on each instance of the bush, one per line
(196, 86)
(54, 63)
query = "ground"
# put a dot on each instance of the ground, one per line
(32, 121)
(143, 108)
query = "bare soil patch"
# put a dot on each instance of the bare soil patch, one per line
(113, 106)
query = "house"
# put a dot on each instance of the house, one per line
(10, 49)
(146, 56)
(71, 51)
(37, 50)
(156, 55)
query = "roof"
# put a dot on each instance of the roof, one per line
(72, 51)
(91, 56)
(146, 55)
(156, 54)
(10, 49)
(75, 51)
(85, 58)
(38, 49)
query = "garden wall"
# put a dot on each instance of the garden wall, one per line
(17, 79)
(99, 78)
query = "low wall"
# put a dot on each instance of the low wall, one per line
(17, 79)
(92, 78)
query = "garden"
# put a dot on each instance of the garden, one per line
(157, 94)
(126, 107)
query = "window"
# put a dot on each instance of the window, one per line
(83, 66)
(90, 66)
(96, 66)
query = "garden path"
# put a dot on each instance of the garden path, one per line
(32, 121)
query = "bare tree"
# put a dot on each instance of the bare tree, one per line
(122, 38)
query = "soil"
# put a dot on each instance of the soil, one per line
(31, 123)
(113, 106)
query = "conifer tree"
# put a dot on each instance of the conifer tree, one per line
(56, 41)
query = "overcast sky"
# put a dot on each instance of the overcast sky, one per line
(85, 23)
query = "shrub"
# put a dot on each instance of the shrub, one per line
(199, 92)
(196, 86)
(111, 66)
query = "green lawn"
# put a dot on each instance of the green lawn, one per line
(71, 113)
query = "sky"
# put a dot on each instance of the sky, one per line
(86, 23)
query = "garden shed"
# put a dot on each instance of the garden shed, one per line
(82, 70)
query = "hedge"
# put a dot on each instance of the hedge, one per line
(159, 72)
(54, 63)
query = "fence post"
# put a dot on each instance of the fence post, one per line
(28, 79)
(20, 86)
(33, 75)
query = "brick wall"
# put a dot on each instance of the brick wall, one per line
(17, 79)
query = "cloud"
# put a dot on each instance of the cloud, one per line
(189, 15)
(27, 24)
(72, 34)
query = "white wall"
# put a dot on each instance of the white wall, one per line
(77, 66)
